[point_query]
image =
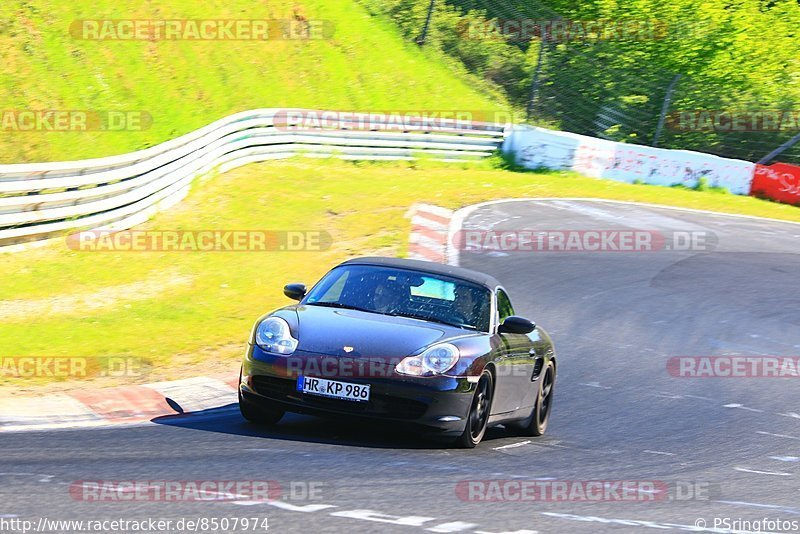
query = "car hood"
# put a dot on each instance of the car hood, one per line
(329, 330)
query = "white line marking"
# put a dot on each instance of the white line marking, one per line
(776, 435)
(698, 527)
(785, 509)
(774, 473)
(594, 385)
(698, 397)
(371, 515)
(742, 407)
(513, 445)
(455, 526)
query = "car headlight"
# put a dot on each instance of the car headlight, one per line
(273, 335)
(437, 359)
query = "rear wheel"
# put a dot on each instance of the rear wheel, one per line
(257, 414)
(536, 425)
(478, 413)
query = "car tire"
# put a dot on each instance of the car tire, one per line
(536, 424)
(259, 415)
(478, 415)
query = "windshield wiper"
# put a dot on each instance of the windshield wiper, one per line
(425, 318)
(334, 304)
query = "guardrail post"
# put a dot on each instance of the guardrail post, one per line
(665, 108)
(424, 35)
(774, 154)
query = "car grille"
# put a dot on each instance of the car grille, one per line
(380, 405)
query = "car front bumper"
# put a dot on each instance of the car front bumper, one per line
(437, 405)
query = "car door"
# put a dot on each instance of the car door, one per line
(516, 360)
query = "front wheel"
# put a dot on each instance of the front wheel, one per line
(536, 425)
(478, 413)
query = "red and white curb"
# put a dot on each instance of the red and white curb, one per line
(430, 228)
(118, 405)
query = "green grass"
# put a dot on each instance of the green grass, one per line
(205, 320)
(183, 85)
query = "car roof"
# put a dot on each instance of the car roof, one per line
(428, 267)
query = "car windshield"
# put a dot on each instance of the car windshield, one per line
(406, 293)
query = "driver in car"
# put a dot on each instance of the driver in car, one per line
(387, 297)
(464, 305)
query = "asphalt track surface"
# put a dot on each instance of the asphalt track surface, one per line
(616, 318)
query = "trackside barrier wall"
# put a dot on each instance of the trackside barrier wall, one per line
(779, 181)
(538, 147)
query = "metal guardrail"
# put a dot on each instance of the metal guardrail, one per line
(46, 200)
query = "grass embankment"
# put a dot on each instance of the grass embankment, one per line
(365, 65)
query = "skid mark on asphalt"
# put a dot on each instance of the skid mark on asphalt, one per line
(673, 396)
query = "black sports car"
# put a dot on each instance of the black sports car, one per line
(402, 340)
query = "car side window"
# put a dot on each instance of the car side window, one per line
(504, 307)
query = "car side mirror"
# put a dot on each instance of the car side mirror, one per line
(516, 325)
(294, 291)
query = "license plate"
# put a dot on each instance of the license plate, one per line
(333, 388)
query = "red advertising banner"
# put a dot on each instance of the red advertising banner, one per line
(779, 181)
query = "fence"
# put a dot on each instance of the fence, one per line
(46, 200)
(624, 73)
